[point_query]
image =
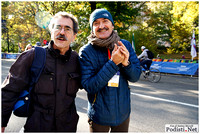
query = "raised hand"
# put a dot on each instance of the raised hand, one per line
(125, 52)
(117, 56)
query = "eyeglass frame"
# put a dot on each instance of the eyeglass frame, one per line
(65, 28)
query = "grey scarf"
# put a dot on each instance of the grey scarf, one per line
(108, 43)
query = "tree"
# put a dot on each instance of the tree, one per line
(185, 20)
(22, 26)
(151, 22)
(169, 22)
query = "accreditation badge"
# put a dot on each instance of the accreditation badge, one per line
(114, 81)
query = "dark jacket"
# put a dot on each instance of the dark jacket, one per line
(112, 105)
(53, 96)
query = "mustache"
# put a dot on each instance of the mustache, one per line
(99, 30)
(61, 36)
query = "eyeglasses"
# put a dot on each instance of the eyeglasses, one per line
(67, 29)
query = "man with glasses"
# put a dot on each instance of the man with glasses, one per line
(53, 97)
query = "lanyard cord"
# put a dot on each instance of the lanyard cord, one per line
(109, 55)
(95, 97)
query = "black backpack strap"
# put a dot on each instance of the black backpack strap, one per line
(37, 65)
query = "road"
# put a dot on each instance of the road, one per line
(174, 100)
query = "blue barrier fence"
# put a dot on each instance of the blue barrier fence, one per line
(164, 67)
(176, 68)
(9, 55)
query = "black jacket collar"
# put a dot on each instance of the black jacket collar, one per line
(56, 53)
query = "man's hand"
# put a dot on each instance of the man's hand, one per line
(2, 129)
(125, 52)
(117, 57)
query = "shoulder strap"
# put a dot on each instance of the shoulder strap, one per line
(37, 65)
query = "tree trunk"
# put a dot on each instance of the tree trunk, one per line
(8, 41)
(93, 6)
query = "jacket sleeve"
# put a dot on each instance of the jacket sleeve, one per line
(133, 71)
(143, 55)
(16, 81)
(91, 80)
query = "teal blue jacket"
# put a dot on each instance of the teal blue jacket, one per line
(111, 106)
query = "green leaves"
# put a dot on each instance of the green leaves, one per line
(153, 23)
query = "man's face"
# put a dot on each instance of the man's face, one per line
(102, 28)
(62, 33)
(29, 47)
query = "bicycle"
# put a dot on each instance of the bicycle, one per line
(153, 75)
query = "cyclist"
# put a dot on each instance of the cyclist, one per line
(145, 62)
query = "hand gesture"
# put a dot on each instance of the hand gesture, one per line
(117, 57)
(125, 52)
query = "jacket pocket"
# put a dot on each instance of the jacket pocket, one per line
(73, 84)
(45, 84)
